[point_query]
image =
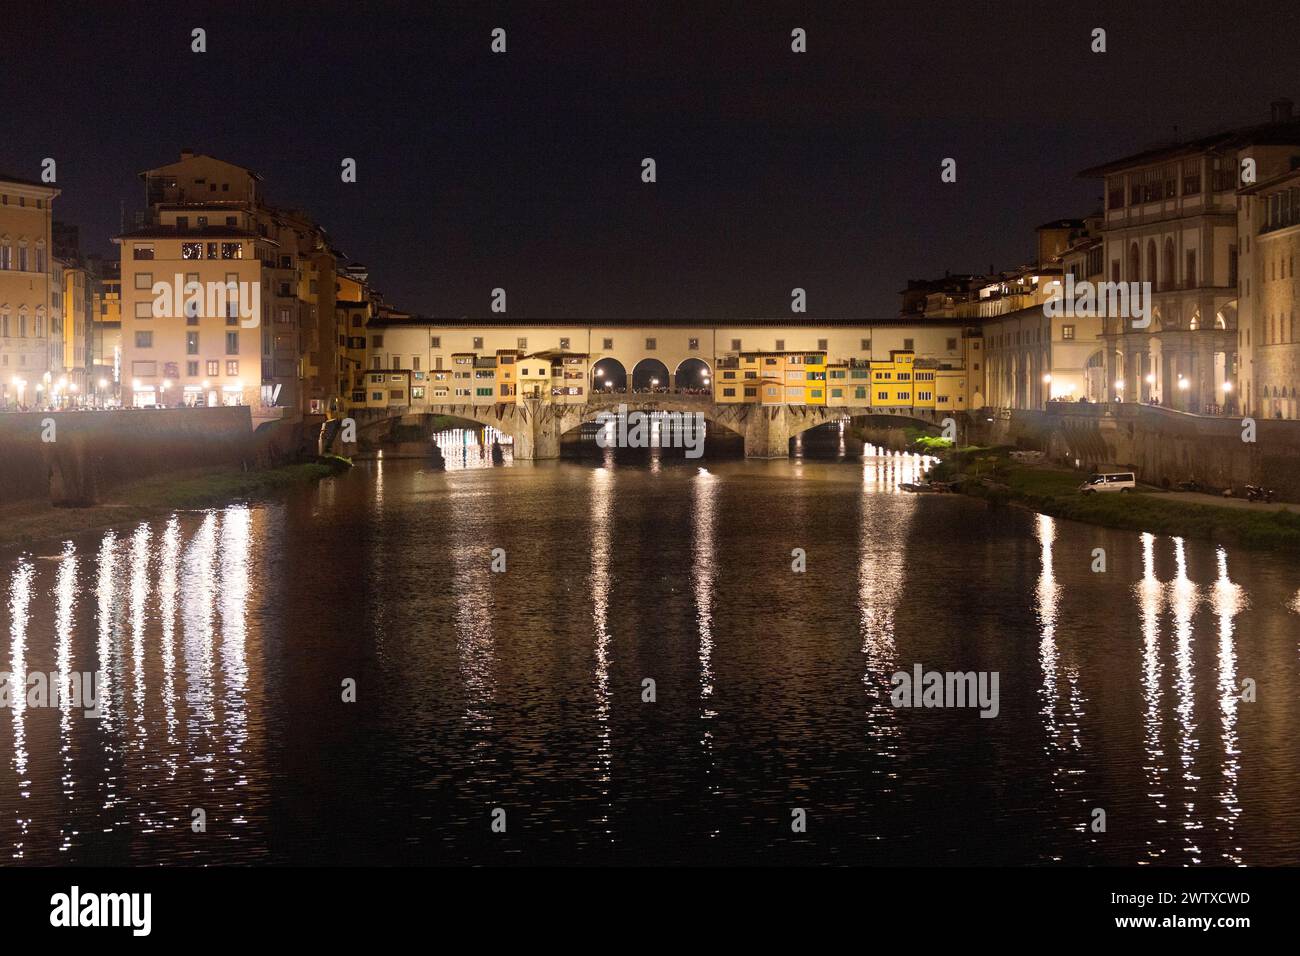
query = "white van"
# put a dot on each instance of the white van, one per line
(1109, 481)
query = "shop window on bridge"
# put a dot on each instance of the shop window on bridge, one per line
(729, 393)
(860, 393)
(751, 392)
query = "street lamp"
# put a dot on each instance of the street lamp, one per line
(1227, 386)
(1047, 378)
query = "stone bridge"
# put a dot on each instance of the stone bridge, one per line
(536, 427)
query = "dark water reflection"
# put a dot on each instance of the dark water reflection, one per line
(224, 639)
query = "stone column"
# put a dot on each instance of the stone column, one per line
(1205, 392)
(1168, 377)
(539, 436)
(767, 432)
(1108, 391)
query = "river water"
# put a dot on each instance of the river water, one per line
(225, 638)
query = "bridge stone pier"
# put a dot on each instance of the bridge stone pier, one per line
(537, 427)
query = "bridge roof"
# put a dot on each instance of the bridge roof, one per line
(788, 322)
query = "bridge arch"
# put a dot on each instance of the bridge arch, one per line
(375, 426)
(609, 376)
(694, 374)
(650, 374)
(817, 417)
(727, 418)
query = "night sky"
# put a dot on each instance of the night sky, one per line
(522, 170)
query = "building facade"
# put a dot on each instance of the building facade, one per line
(1266, 338)
(31, 295)
(1171, 222)
(262, 330)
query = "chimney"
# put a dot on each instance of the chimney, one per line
(188, 153)
(1280, 110)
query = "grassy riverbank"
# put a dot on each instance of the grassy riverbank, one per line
(990, 473)
(37, 523)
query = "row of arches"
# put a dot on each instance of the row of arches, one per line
(1161, 267)
(692, 375)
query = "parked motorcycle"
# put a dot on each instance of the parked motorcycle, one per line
(1259, 493)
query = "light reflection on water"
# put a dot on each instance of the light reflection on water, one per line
(221, 638)
(483, 447)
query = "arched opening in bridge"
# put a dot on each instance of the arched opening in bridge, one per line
(608, 375)
(693, 377)
(1095, 377)
(650, 375)
(654, 428)
(847, 437)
